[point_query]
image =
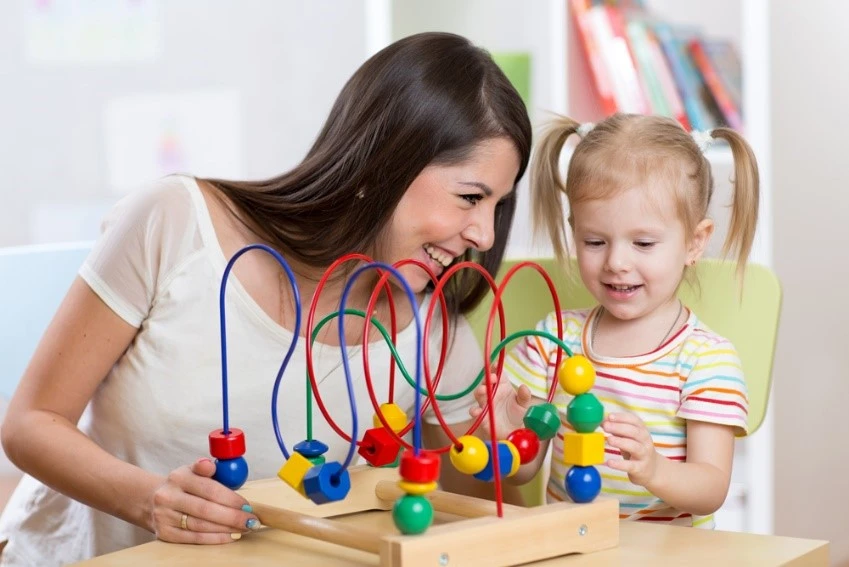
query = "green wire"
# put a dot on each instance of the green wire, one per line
(396, 357)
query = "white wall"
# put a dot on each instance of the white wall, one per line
(810, 55)
(252, 81)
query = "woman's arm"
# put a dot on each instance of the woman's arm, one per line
(41, 437)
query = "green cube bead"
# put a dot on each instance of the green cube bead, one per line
(585, 413)
(543, 419)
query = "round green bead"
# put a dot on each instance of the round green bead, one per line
(543, 420)
(585, 413)
(412, 514)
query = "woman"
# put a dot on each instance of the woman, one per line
(418, 159)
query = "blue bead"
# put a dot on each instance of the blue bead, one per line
(232, 473)
(327, 483)
(505, 463)
(311, 448)
(582, 484)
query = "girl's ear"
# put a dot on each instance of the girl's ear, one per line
(701, 237)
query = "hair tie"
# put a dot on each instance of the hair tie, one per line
(703, 139)
(585, 129)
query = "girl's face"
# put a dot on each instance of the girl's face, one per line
(449, 209)
(632, 250)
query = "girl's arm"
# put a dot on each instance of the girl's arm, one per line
(41, 437)
(699, 485)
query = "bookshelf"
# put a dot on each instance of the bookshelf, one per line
(560, 82)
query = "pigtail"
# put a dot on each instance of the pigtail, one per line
(744, 209)
(547, 187)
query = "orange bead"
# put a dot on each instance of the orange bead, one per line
(576, 375)
(472, 457)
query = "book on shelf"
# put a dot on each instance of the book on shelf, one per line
(641, 64)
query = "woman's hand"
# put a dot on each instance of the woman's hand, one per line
(190, 507)
(629, 434)
(509, 404)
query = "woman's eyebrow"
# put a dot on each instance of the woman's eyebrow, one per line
(482, 186)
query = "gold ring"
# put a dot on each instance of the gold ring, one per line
(183, 519)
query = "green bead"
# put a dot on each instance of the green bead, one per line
(585, 413)
(412, 514)
(317, 461)
(395, 463)
(543, 420)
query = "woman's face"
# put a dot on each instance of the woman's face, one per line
(449, 209)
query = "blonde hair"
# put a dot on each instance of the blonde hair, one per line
(628, 149)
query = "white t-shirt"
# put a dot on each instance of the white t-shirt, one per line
(158, 266)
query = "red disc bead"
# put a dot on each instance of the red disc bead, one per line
(422, 468)
(227, 446)
(526, 442)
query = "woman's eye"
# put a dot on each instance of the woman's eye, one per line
(472, 198)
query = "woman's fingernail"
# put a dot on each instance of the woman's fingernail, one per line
(252, 523)
(236, 536)
(247, 508)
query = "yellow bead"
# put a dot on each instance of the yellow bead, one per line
(583, 449)
(516, 460)
(394, 416)
(293, 471)
(472, 458)
(416, 487)
(576, 375)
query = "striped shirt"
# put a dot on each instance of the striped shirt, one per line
(695, 375)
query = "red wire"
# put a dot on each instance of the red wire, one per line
(488, 347)
(367, 370)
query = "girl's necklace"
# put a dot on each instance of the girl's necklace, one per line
(663, 340)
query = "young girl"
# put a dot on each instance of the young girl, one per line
(673, 393)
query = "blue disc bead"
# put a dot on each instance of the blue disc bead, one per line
(232, 473)
(311, 448)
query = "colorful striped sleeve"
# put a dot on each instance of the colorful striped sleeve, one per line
(715, 390)
(527, 362)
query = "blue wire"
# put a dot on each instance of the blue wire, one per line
(417, 427)
(297, 295)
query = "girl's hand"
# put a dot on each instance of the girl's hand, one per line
(509, 405)
(629, 434)
(213, 512)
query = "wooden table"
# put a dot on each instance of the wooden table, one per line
(638, 543)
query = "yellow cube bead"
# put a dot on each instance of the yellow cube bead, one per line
(293, 471)
(416, 487)
(394, 416)
(583, 449)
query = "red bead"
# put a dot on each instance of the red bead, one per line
(227, 446)
(526, 442)
(379, 447)
(421, 468)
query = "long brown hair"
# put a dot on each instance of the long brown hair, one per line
(628, 149)
(429, 98)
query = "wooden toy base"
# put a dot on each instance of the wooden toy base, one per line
(523, 535)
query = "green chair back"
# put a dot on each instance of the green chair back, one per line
(749, 320)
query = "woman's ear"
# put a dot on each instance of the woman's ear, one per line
(701, 237)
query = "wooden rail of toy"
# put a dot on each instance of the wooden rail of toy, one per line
(523, 535)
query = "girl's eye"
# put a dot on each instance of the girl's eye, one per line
(593, 243)
(472, 198)
(644, 244)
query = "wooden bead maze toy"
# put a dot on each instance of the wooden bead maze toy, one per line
(402, 477)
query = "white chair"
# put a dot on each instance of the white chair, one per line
(33, 282)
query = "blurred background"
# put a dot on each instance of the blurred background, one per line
(100, 96)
